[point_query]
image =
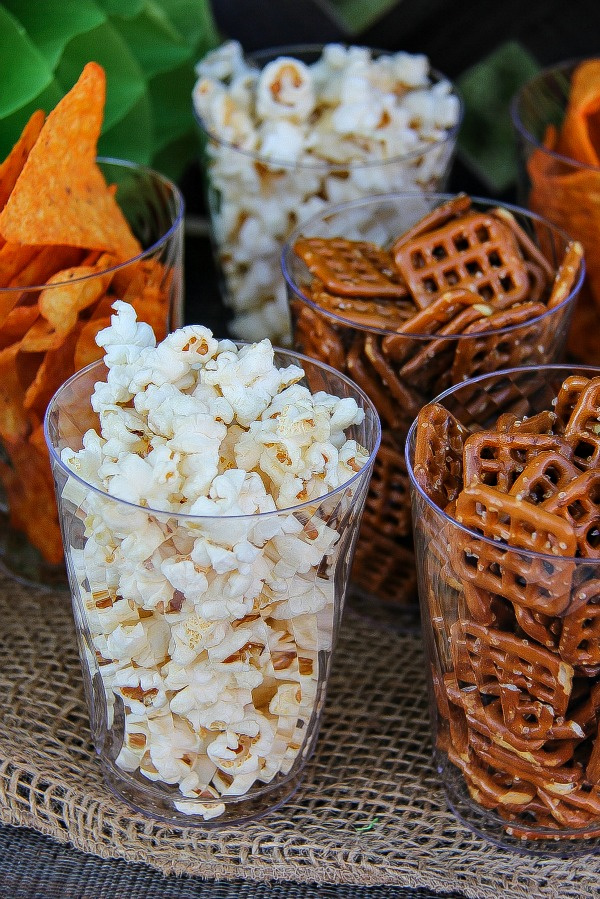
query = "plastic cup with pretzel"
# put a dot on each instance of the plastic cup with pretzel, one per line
(505, 484)
(409, 294)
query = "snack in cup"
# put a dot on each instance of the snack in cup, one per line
(465, 289)
(290, 131)
(517, 685)
(67, 252)
(206, 511)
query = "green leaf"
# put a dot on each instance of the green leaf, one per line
(356, 15)
(486, 141)
(154, 43)
(171, 96)
(12, 125)
(51, 24)
(173, 158)
(125, 81)
(24, 72)
(124, 9)
(132, 136)
(195, 23)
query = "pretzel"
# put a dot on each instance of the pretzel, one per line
(545, 476)
(498, 460)
(541, 423)
(408, 401)
(566, 275)
(439, 446)
(351, 268)
(563, 779)
(473, 250)
(428, 321)
(580, 634)
(544, 629)
(384, 315)
(483, 349)
(529, 249)
(578, 502)
(566, 400)
(443, 213)
(362, 372)
(583, 427)
(315, 337)
(539, 583)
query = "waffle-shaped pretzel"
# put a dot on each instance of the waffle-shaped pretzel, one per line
(388, 314)
(545, 476)
(475, 249)
(541, 583)
(544, 629)
(580, 634)
(563, 778)
(351, 268)
(315, 337)
(583, 427)
(494, 789)
(443, 213)
(566, 275)
(401, 392)
(499, 459)
(438, 453)
(485, 350)
(529, 249)
(362, 372)
(428, 321)
(578, 502)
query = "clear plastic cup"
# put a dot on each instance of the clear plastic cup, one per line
(255, 200)
(384, 574)
(30, 544)
(511, 649)
(205, 702)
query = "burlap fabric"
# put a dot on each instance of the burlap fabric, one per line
(369, 811)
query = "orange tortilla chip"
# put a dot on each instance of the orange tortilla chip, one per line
(12, 166)
(17, 323)
(580, 131)
(14, 419)
(46, 262)
(13, 259)
(54, 371)
(61, 196)
(86, 348)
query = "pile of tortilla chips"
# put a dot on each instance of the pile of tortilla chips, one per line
(61, 235)
(569, 195)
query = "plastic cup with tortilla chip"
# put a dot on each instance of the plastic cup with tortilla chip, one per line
(556, 117)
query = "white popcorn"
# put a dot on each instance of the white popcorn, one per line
(206, 594)
(293, 137)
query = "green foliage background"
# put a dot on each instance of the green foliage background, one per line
(148, 49)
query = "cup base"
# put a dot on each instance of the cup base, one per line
(487, 824)
(159, 803)
(22, 562)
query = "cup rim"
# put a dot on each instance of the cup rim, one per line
(322, 165)
(330, 211)
(162, 240)
(520, 128)
(594, 370)
(299, 358)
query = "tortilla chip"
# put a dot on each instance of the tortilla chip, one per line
(580, 131)
(61, 196)
(86, 348)
(14, 419)
(17, 323)
(56, 367)
(12, 166)
(13, 259)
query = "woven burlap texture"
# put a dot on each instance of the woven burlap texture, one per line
(369, 811)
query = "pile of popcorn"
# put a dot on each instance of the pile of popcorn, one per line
(291, 138)
(211, 619)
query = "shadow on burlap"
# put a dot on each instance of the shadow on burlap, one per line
(369, 811)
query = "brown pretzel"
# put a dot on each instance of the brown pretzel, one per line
(583, 427)
(569, 392)
(566, 275)
(578, 502)
(402, 393)
(484, 350)
(315, 337)
(351, 268)
(499, 459)
(529, 249)
(438, 453)
(429, 321)
(541, 584)
(473, 250)
(361, 370)
(544, 629)
(563, 779)
(580, 635)
(544, 476)
(541, 423)
(443, 213)
(386, 314)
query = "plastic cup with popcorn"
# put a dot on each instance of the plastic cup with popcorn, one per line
(289, 130)
(209, 495)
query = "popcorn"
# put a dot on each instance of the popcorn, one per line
(207, 595)
(290, 138)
